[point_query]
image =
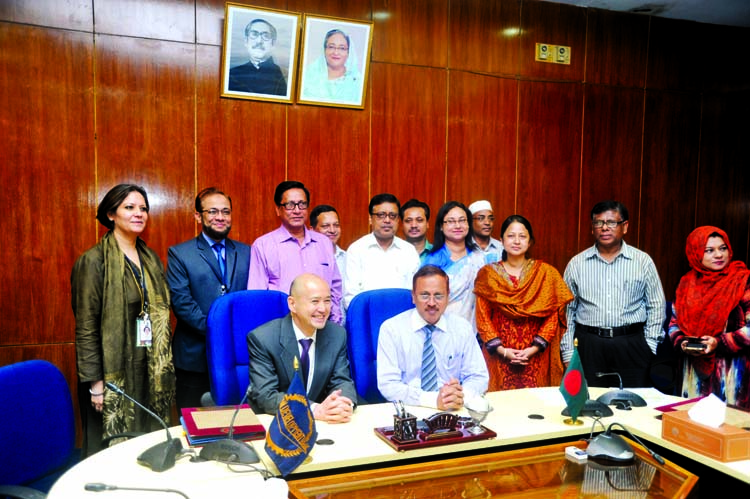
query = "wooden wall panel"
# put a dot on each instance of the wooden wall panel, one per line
(336, 8)
(492, 29)
(411, 32)
(241, 147)
(75, 15)
(173, 20)
(670, 168)
(209, 17)
(549, 156)
(558, 24)
(145, 128)
(616, 48)
(47, 173)
(329, 151)
(724, 176)
(408, 133)
(61, 355)
(724, 69)
(482, 115)
(611, 158)
(676, 53)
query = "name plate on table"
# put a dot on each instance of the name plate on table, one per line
(439, 429)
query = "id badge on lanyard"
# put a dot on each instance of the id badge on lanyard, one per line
(143, 331)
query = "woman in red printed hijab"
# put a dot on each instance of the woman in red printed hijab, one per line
(711, 321)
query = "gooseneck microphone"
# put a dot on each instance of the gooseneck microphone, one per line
(161, 456)
(228, 449)
(103, 487)
(622, 399)
(599, 375)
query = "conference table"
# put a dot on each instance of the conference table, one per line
(521, 418)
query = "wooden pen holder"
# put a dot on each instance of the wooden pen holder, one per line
(405, 429)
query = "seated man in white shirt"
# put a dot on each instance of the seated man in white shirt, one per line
(426, 357)
(380, 259)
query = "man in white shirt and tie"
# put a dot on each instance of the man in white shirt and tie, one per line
(427, 357)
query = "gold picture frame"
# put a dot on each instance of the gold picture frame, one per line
(259, 53)
(334, 62)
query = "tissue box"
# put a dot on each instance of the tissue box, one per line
(725, 443)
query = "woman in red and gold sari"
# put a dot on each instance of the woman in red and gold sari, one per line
(713, 309)
(521, 313)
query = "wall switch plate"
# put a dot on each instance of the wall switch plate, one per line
(556, 54)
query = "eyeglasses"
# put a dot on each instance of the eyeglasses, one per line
(425, 297)
(482, 218)
(213, 212)
(337, 48)
(460, 221)
(383, 215)
(611, 224)
(290, 205)
(266, 36)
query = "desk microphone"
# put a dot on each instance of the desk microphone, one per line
(611, 447)
(228, 449)
(622, 399)
(161, 456)
(102, 487)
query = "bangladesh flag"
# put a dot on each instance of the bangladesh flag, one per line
(573, 386)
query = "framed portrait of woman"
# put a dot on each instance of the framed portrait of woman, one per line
(259, 55)
(334, 62)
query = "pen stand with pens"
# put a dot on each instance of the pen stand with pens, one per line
(405, 428)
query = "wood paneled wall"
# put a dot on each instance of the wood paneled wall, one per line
(651, 111)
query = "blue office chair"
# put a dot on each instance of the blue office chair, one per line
(229, 320)
(37, 429)
(366, 313)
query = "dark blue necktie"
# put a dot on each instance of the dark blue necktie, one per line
(429, 369)
(305, 358)
(222, 261)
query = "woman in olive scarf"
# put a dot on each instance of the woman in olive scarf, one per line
(121, 306)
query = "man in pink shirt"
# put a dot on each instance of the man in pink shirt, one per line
(279, 256)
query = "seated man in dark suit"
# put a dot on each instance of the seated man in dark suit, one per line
(198, 272)
(306, 334)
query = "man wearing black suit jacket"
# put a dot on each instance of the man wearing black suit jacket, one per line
(274, 346)
(199, 271)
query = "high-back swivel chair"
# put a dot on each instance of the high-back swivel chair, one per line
(37, 428)
(366, 313)
(229, 320)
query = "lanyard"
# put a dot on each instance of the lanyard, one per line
(141, 283)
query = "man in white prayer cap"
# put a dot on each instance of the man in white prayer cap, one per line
(483, 223)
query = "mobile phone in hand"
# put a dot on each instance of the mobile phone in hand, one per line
(695, 344)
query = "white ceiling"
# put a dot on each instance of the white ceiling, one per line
(725, 12)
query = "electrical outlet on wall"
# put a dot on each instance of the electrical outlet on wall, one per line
(556, 54)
